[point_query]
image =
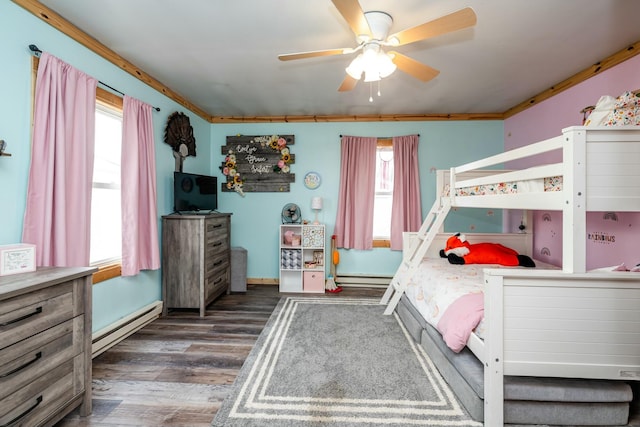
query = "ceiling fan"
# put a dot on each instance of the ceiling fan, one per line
(372, 35)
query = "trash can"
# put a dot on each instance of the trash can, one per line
(238, 269)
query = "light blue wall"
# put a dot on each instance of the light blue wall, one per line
(256, 217)
(115, 298)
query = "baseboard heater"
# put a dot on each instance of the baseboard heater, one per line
(362, 280)
(111, 335)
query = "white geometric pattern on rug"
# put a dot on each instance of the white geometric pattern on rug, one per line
(275, 392)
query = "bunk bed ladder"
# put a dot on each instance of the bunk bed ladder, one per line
(413, 257)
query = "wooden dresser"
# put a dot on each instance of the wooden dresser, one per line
(196, 260)
(45, 345)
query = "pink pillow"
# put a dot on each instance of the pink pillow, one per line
(460, 319)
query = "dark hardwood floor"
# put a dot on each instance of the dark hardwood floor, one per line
(178, 370)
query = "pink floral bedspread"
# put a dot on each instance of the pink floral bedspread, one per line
(436, 285)
(544, 184)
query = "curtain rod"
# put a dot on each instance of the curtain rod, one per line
(37, 52)
(385, 137)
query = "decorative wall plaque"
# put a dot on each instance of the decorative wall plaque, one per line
(258, 163)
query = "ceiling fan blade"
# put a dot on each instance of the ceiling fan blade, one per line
(347, 84)
(352, 12)
(414, 68)
(454, 21)
(313, 54)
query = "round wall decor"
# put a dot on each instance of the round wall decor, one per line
(312, 180)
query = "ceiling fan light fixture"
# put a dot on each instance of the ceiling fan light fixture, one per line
(356, 67)
(386, 67)
(370, 50)
(370, 54)
(373, 62)
(371, 75)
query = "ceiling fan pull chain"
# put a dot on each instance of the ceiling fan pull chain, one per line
(379, 88)
(370, 91)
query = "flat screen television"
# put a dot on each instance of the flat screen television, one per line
(194, 193)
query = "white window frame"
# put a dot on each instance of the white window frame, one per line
(109, 268)
(113, 211)
(383, 241)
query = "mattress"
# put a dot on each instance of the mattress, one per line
(450, 297)
(553, 183)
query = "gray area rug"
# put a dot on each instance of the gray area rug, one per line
(338, 362)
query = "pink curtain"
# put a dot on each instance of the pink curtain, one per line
(354, 221)
(406, 210)
(58, 210)
(140, 248)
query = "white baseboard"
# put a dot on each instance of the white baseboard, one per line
(362, 280)
(111, 335)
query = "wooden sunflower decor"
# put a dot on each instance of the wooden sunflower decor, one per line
(179, 135)
(258, 163)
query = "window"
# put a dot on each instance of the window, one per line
(106, 244)
(384, 194)
(106, 227)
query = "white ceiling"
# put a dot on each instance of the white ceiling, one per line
(221, 55)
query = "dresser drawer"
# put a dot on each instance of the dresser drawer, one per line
(215, 227)
(33, 404)
(45, 345)
(217, 277)
(28, 359)
(216, 263)
(217, 245)
(216, 236)
(215, 286)
(29, 314)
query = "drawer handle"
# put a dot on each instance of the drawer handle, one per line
(218, 281)
(24, 414)
(26, 316)
(217, 225)
(218, 263)
(19, 368)
(217, 244)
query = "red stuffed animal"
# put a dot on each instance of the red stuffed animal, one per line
(459, 251)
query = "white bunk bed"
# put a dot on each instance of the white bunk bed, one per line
(591, 320)
(600, 172)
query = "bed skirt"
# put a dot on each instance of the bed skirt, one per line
(528, 400)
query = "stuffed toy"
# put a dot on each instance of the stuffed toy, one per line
(459, 251)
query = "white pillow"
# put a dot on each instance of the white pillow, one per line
(626, 111)
(599, 115)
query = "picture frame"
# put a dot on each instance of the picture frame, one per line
(318, 258)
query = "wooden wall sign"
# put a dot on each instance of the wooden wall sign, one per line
(258, 163)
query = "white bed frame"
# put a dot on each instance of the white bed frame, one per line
(600, 169)
(555, 323)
